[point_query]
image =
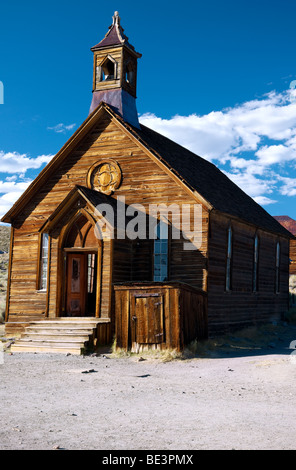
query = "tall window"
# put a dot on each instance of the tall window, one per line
(91, 266)
(43, 262)
(255, 264)
(228, 283)
(277, 267)
(161, 252)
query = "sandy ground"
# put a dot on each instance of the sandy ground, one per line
(238, 395)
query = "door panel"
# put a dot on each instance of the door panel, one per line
(76, 284)
(147, 319)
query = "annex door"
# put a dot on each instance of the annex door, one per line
(147, 322)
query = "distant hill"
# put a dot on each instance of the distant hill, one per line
(3, 283)
(287, 222)
(4, 249)
(4, 238)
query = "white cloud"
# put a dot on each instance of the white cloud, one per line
(10, 192)
(17, 165)
(14, 162)
(11, 178)
(252, 185)
(273, 154)
(62, 128)
(288, 187)
(264, 201)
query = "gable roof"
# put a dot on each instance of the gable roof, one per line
(202, 178)
(92, 197)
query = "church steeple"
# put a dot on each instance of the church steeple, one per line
(115, 73)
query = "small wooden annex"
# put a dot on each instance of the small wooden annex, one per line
(66, 269)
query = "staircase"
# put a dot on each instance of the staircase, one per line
(60, 335)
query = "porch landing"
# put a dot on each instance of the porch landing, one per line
(74, 335)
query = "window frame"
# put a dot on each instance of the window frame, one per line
(255, 271)
(40, 268)
(99, 71)
(229, 260)
(167, 253)
(277, 266)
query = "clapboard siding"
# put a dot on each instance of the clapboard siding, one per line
(293, 257)
(242, 306)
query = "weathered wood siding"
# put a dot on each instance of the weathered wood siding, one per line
(293, 257)
(241, 306)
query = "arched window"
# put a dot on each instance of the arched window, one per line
(255, 263)
(160, 271)
(81, 235)
(228, 283)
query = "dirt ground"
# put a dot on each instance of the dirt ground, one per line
(237, 393)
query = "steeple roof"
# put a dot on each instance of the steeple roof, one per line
(115, 36)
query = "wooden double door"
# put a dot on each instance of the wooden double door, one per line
(81, 284)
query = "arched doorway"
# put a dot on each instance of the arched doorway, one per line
(82, 266)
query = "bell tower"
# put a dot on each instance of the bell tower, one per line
(115, 73)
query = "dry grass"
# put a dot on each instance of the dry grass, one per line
(165, 355)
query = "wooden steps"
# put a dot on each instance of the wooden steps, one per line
(60, 335)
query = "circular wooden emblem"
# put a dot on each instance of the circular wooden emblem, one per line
(104, 176)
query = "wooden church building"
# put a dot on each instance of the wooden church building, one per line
(74, 281)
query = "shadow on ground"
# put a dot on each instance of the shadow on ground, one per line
(252, 341)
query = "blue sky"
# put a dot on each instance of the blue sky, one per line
(216, 76)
